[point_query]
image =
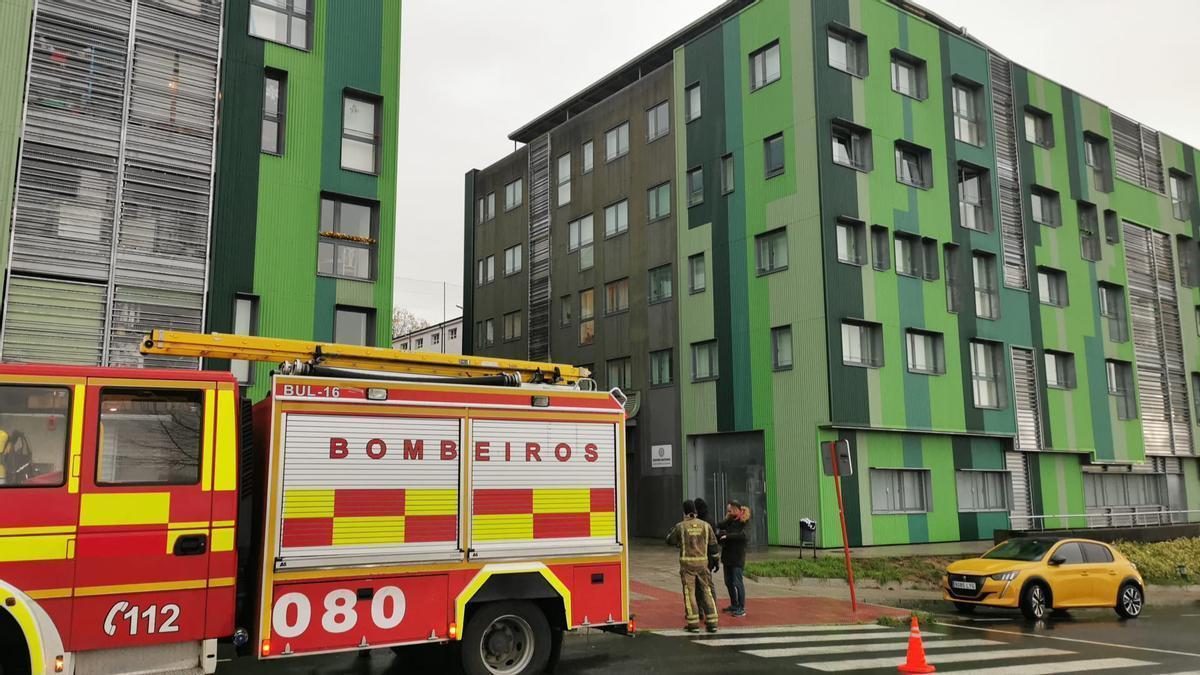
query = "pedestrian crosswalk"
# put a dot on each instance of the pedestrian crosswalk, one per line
(856, 648)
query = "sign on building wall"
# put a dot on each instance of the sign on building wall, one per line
(660, 456)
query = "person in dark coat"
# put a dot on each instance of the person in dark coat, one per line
(714, 561)
(732, 533)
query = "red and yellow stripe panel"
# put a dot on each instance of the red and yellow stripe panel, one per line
(348, 517)
(543, 513)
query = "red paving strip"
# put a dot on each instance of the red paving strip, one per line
(655, 608)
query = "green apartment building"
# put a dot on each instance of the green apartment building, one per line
(305, 207)
(848, 219)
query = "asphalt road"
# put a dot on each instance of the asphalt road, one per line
(1165, 640)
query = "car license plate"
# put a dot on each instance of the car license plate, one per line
(964, 585)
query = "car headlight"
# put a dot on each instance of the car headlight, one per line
(1005, 576)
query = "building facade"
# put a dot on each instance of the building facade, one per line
(858, 222)
(443, 338)
(303, 234)
(107, 130)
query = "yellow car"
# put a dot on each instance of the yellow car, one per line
(1041, 574)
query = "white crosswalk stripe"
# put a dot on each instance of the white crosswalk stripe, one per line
(765, 630)
(792, 652)
(784, 639)
(957, 657)
(1084, 666)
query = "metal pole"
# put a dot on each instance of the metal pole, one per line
(443, 328)
(837, 486)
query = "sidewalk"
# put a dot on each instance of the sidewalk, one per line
(657, 601)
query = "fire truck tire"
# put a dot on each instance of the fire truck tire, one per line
(14, 653)
(506, 638)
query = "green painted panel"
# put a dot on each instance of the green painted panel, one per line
(15, 19)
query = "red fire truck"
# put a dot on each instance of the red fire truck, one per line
(373, 499)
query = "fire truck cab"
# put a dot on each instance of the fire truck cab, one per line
(148, 514)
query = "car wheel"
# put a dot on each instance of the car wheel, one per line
(506, 638)
(1130, 601)
(964, 607)
(1035, 601)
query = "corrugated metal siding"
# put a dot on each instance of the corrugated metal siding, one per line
(71, 312)
(15, 19)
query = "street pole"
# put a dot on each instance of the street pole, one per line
(837, 486)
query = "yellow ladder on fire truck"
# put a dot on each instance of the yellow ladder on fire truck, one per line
(302, 356)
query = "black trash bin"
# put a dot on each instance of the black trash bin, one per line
(808, 535)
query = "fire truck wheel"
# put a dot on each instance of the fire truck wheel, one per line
(506, 638)
(14, 654)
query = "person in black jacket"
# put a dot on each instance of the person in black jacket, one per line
(732, 533)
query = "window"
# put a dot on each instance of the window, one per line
(41, 414)
(485, 270)
(658, 202)
(697, 276)
(150, 437)
(982, 490)
(1196, 397)
(564, 310)
(974, 210)
(564, 179)
(1070, 553)
(781, 348)
(987, 299)
(346, 239)
(965, 97)
(660, 368)
(1112, 308)
(695, 186)
(851, 145)
(360, 133)
(764, 66)
(880, 248)
(1089, 231)
(616, 296)
(658, 121)
(1181, 195)
(489, 333)
(1112, 227)
(704, 360)
(1060, 369)
(274, 112)
(985, 374)
(847, 51)
(587, 316)
(420, 342)
(929, 259)
(587, 157)
(580, 234)
(354, 326)
(773, 155)
(862, 344)
(620, 373)
(616, 142)
(691, 100)
(1120, 388)
(404, 345)
(1189, 261)
(487, 208)
(282, 21)
(660, 284)
(908, 255)
(1052, 287)
(616, 218)
(913, 165)
(1095, 155)
(1122, 490)
(900, 491)
(851, 241)
(512, 326)
(514, 193)
(245, 322)
(772, 252)
(452, 334)
(1038, 128)
(926, 352)
(726, 174)
(950, 261)
(512, 260)
(436, 338)
(1044, 206)
(908, 75)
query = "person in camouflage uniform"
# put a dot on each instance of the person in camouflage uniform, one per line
(696, 540)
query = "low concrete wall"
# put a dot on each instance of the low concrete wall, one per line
(1109, 534)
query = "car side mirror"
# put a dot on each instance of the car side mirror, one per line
(1057, 560)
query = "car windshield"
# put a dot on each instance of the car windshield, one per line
(1026, 550)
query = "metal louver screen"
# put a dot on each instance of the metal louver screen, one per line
(539, 249)
(1021, 505)
(54, 322)
(1138, 157)
(1152, 160)
(1025, 396)
(1157, 342)
(1012, 226)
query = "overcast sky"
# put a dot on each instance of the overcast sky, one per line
(472, 71)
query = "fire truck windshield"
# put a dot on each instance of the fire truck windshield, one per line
(33, 435)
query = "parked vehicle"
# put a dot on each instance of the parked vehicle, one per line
(1041, 574)
(419, 498)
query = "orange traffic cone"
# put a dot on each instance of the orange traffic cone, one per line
(915, 663)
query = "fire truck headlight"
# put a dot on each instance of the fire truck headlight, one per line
(540, 401)
(377, 394)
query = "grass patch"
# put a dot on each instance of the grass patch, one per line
(923, 618)
(1158, 561)
(923, 571)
